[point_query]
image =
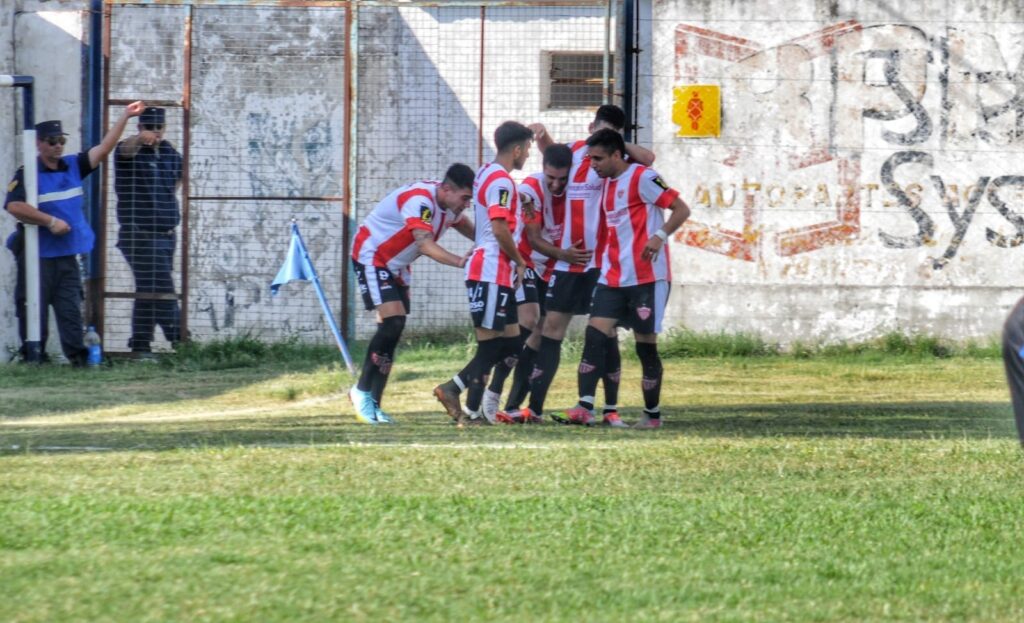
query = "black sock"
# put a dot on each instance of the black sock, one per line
(521, 379)
(591, 365)
(379, 354)
(652, 371)
(612, 373)
(511, 346)
(487, 354)
(543, 373)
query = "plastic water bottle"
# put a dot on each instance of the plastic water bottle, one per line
(92, 342)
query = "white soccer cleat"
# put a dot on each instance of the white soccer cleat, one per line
(490, 404)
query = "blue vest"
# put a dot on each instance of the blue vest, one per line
(60, 195)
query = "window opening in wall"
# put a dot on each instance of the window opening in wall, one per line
(574, 79)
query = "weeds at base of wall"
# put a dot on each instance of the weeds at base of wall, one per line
(459, 346)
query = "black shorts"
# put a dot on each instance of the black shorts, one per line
(570, 293)
(533, 290)
(640, 308)
(379, 285)
(491, 306)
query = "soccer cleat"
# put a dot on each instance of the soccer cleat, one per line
(489, 405)
(382, 418)
(613, 420)
(450, 400)
(529, 417)
(648, 423)
(475, 418)
(508, 417)
(366, 408)
(578, 415)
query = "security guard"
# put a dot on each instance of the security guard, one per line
(147, 176)
(64, 232)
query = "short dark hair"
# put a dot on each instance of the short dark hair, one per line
(459, 176)
(510, 133)
(609, 139)
(612, 115)
(558, 156)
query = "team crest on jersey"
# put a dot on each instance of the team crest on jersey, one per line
(503, 197)
(661, 183)
(620, 194)
(644, 312)
(426, 214)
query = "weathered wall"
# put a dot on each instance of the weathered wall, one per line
(42, 39)
(869, 174)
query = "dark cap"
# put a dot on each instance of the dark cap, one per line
(49, 128)
(152, 116)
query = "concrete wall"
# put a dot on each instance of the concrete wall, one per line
(42, 39)
(869, 176)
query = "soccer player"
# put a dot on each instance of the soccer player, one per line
(404, 225)
(1013, 360)
(633, 287)
(494, 271)
(543, 197)
(570, 286)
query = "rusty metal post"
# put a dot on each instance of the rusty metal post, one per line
(186, 140)
(351, 167)
(480, 122)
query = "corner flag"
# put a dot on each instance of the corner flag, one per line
(298, 267)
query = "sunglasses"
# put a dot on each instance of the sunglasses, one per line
(55, 140)
(152, 127)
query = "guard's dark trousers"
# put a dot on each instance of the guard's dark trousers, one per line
(60, 285)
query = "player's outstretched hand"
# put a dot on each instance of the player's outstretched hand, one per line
(576, 254)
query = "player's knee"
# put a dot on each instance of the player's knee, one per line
(391, 328)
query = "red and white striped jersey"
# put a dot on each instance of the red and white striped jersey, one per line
(385, 238)
(582, 214)
(631, 210)
(549, 211)
(494, 197)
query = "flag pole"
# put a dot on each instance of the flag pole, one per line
(323, 302)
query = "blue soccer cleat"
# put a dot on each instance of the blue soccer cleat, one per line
(365, 406)
(382, 418)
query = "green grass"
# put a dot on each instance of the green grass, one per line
(230, 482)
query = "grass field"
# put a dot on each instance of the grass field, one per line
(237, 486)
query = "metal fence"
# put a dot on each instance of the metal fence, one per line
(314, 111)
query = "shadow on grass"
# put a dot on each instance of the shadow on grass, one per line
(914, 420)
(56, 390)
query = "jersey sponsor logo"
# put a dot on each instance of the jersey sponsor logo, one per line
(661, 183)
(426, 214)
(12, 185)
(583, 191)
(503, 197)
